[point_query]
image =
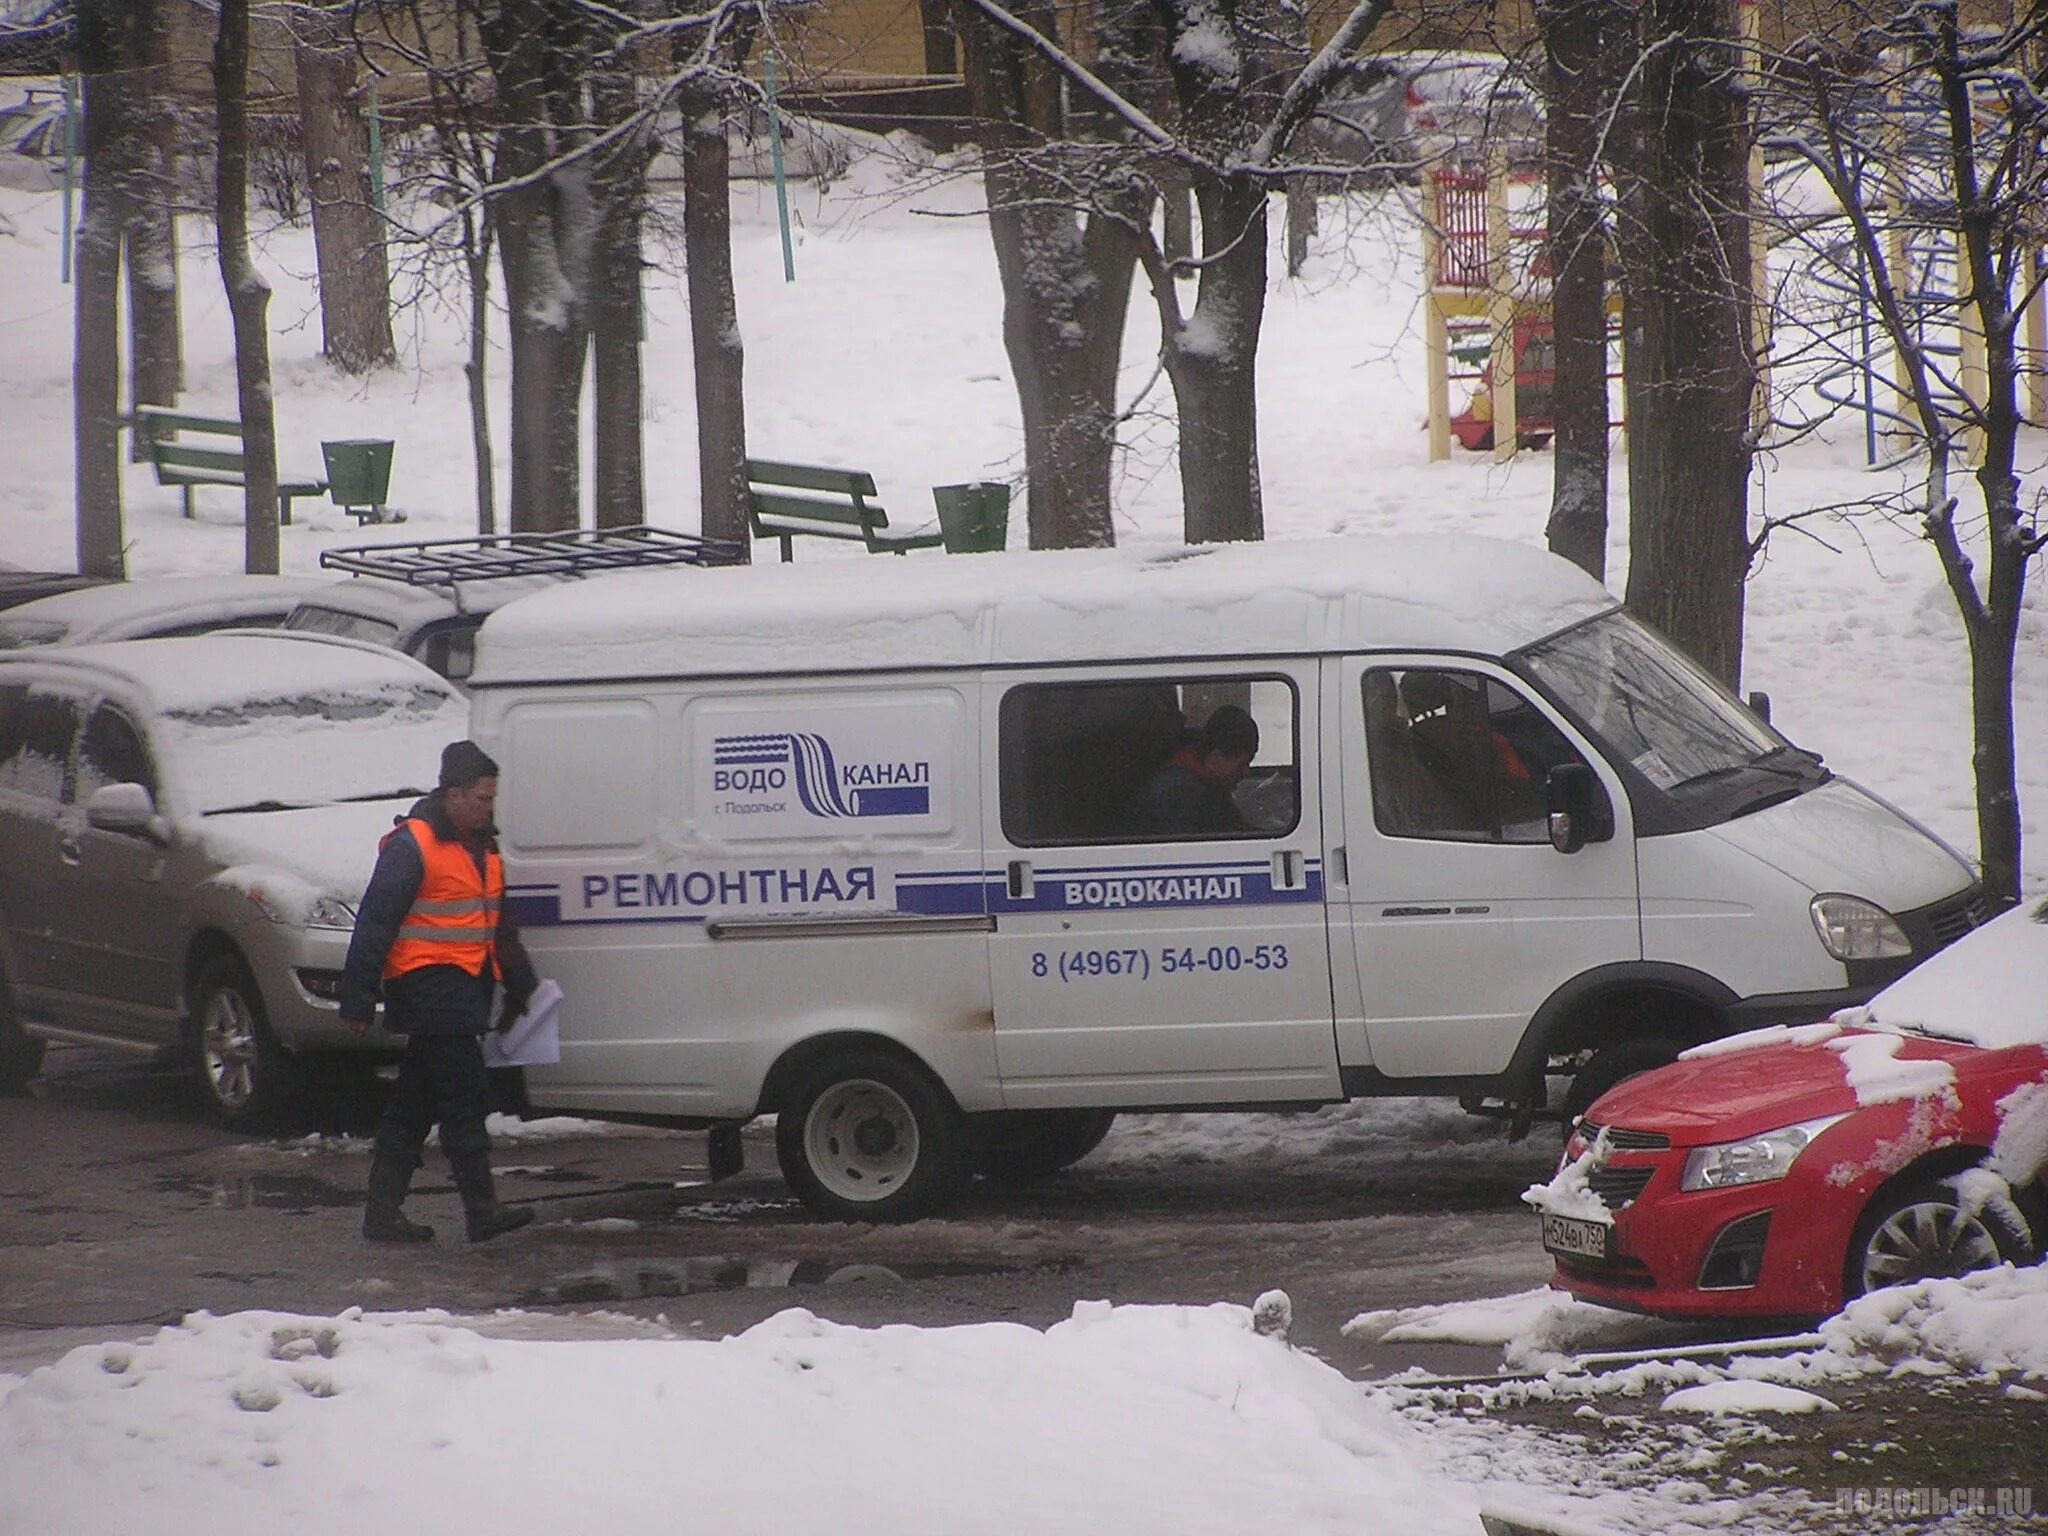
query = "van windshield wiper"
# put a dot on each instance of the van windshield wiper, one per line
(382, 794)
(252, 808)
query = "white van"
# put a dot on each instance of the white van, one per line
(876, 845)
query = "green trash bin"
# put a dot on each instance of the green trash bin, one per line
(975, 518)
(359, 476)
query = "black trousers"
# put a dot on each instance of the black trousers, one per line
(441, 1078)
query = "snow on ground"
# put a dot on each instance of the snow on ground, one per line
(1127, 1419)
(885, 353)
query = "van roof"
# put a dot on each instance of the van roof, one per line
(1423, 592)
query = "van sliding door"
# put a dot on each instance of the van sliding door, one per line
(1155, 875)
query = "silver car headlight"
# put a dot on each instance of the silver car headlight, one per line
(330, 912)
(1851, 928)
(1755, 1160)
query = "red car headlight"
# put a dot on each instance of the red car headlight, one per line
(1753, 1160)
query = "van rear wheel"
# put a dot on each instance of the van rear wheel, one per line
(865, 1136)
(1016, 1145)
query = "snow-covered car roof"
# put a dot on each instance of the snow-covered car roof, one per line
(1444, 592)
(1989, 988)
(408, 607)
(125, 609)
(188, 674)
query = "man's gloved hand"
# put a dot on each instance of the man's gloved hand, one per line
(509, 1011)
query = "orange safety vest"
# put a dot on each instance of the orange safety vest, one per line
(454, 918)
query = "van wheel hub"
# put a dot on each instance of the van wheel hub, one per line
(861, 1139)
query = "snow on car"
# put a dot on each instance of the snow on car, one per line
(186, 825)
(1785, 1172)
(153, 607)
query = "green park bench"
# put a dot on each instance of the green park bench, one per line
(834, 504)
(190, 465)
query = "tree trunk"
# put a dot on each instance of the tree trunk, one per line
(1212, 360)
(155, 348)
(716, 346)
(96, 342)
(1578, 43)
(476, 244)
(248, 293)
(619, 497)
(348, 234)
(1066, 278)
(941, 56)
(544, 226)
(1685, 250)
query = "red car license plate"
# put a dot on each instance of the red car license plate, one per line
(1576, 1239)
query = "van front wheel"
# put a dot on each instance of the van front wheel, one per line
(866, 1137)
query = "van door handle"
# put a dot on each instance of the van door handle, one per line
(1020, 883)
(1287, 870)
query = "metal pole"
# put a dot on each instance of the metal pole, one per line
(70, 172)
(775, 154)
(376, 152)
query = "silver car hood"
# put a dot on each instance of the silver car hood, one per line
(329, 849)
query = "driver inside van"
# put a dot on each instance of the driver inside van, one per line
(1190, 795)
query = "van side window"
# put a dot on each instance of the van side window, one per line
(35, 742)
(1150, 760)
(112, 753)
(1457, 756)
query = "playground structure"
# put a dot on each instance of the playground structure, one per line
(1486, 298)
(1923, 258)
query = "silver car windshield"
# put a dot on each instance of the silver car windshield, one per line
(1652, 705)
(310, 749)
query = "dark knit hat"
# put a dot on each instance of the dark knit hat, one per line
(463, 763)
(1230, 731)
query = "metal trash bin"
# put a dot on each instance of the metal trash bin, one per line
(359, 475)
(975, 518)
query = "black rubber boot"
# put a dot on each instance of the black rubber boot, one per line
(485, 1217)
(383, 1221)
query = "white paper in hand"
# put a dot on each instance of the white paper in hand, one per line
(535, 1038)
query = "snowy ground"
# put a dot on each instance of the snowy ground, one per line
(885, 353)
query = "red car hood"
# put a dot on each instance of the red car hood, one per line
(1732, 1094)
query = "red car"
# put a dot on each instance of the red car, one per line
(1783, 1173)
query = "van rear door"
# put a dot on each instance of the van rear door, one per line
(1159, 931)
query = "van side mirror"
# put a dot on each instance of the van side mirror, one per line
(1573, 797)
(1760, 706)
(126, 808)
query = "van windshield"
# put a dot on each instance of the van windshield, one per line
(1652, 706)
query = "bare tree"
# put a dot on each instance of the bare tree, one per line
(156, 358)
(1063, 208)
(348, 232)
(1580, 39)
(619, 182)
(248, 292)
(1232, 103)
(96, 343)
(1942, 144)
(1683, 239)
(715, 342)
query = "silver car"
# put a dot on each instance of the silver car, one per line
(185, 826)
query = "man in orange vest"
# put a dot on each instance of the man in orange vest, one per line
(432, 936)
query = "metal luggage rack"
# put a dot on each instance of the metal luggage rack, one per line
(496, 556)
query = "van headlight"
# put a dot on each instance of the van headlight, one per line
(1755, 1160)
(1851, 928)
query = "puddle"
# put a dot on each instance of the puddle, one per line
(261, 1191)
(690, 1277)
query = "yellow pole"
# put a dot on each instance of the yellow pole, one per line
(1436, 338)
(1500, 310)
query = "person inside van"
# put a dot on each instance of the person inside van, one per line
(1190, 795)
